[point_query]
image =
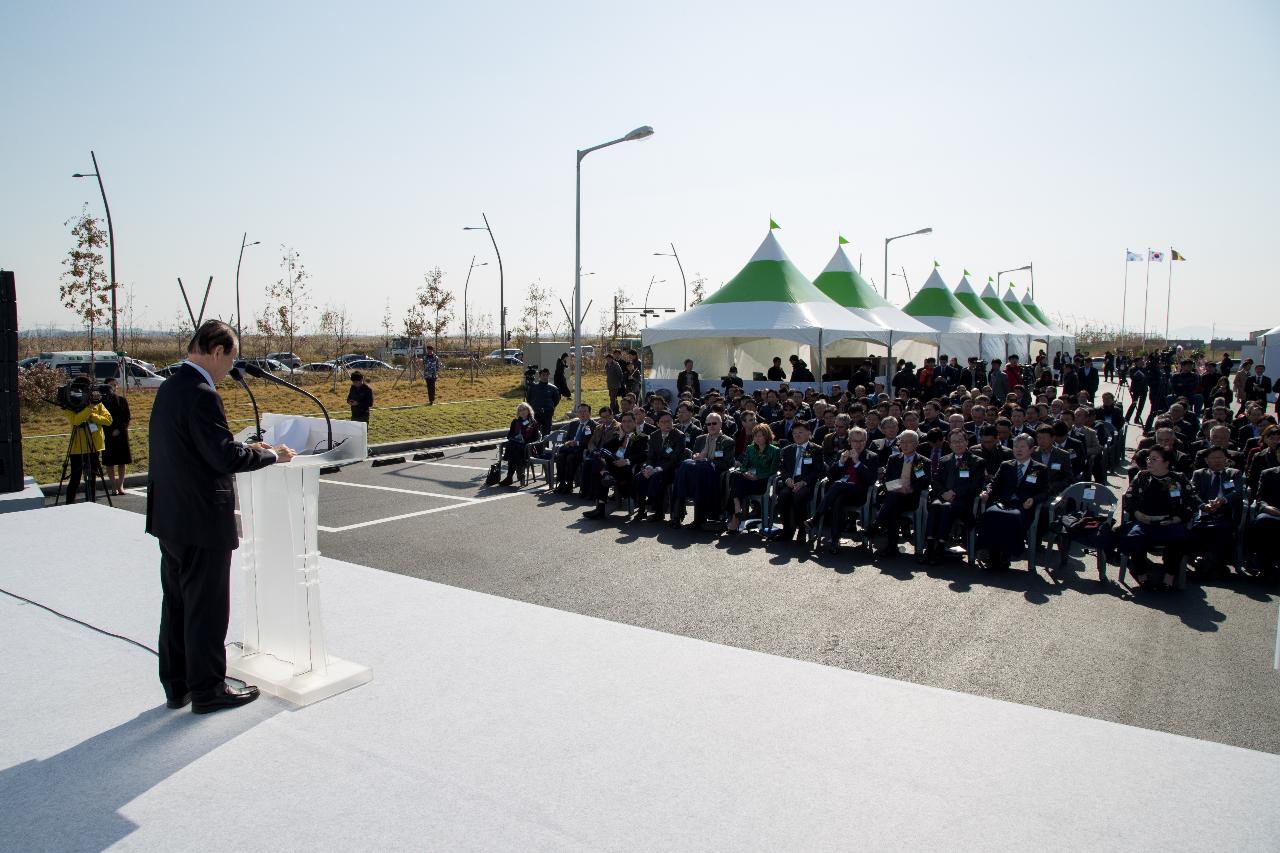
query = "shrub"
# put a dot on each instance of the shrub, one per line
(36, 386)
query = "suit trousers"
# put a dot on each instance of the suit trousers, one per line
(1137, 539)
(700, 481)
(196, 607)
(793, 507)
(839, 495)
(894, 505)
(942, 515)
(568, 459)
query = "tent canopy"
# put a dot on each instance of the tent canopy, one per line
(843, 284)
(1011, 300)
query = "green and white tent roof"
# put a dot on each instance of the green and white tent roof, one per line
(842, 282)
(1029, 305)
(992, 300)
(769, 298)
(1022, 313)
(969, 298)
(937, 307)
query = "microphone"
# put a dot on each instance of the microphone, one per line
(257, 418)
(258, 372)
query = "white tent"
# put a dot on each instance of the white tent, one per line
(1020, 337)
(1040, 331)
(1059, 338)
(768, 309)
(959, 331)
(1270, 356)
(995, 344)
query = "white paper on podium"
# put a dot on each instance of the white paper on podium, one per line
(291, 432)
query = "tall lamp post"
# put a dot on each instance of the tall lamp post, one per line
(638, 133)
(887, 241)
(502, 310)
(652, 281)
(1018, 269)
(683, 281)
(466, 328)
(240, 319)
(111, 241)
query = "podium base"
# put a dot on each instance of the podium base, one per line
(276, 677)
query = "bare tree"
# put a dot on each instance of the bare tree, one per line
(414, 323)
(83, 289)
(335, 326)
(288, 301)
(699, 288)
(388, 325)
(624, 322)
(537, 313)
(435, 304)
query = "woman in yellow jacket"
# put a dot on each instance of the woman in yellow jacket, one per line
(86, 441)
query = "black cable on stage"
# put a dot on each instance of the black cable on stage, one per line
(78, 622)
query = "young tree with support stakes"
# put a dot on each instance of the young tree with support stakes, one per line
(335, 326)
(435, 304)
(288, 301)
(537, 311)
(83, 289)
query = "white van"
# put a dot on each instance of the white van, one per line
(105, 366)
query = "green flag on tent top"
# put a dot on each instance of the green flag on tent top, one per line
(772, 224)
(936, 264)
(966, 272)
(843, 241)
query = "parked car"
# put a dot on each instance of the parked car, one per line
(169, 369)
(27, 362)
(507, 356)
(105, 366)
(588, 351)
(319, 366)
(351, 356)
(288, 359)
(367, 364)
(265, 363)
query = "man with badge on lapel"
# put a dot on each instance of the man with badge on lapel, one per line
(799, 469)
(191, 510)
(1019, 487)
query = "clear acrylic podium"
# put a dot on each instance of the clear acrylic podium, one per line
(283, 650)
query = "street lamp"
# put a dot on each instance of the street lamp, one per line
(652, 281)
(502, 311)
(887, 241)
(683, 281)
(1018, 269)
(239, 319)
(111, 245)
(466, 328)
(638, 133)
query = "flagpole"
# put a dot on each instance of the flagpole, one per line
(1146, 297)
(1124, 298)
(1168, 298)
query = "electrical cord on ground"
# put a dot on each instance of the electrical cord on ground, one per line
(79, 622)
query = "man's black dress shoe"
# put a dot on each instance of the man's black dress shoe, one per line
(178, 701)
(222, 697)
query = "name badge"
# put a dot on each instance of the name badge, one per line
(1089, 494)
(964, 475)
(1228, 486)
(1175, 493)
(619, 453)
(587, 431)
(920, 473)
(1056, 466)
(1031, 478)
(668, 450)
(718, 454)
(807, 460)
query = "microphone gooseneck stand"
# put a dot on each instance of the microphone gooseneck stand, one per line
(257, 418)
(258, 372)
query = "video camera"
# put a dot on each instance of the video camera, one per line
(75, 396)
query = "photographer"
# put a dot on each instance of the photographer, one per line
(116, 454)
(86, 437)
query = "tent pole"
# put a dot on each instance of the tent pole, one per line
(818, 375)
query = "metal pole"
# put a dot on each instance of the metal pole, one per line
(466, 338)
(1169, 298)
(1146, 293)
(577, 284)
(886, 267)
(111, 241)
(502, 311)
(1032, 266)
(683, 282)
(1124, 295)
(239, 318)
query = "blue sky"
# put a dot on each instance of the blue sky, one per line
(367, 138)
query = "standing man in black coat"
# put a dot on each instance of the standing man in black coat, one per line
(191, 510)
(688, 380)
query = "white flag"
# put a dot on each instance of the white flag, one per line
(1133, 256)
(1157, 256)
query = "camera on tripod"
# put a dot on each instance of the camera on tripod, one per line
(75, 396)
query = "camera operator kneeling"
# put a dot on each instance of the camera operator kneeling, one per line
(1160, 501)
(86, 438)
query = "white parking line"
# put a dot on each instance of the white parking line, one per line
(475, 501)
(400, 491)
(451, 465)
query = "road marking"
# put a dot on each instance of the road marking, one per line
(451, 465)
(474, 502)
(401, 491)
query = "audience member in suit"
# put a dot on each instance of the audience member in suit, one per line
(686, 423)
(1074, 447)
(1161, 502)
(759, 462)
(1220, 490)
(666, 451)
(569, 454)
(782, 428)
(850, 477)
(1056, 460)
(990, 452)
(698, 477)
(798, 473)
(615, 464)
(1262, 538)
(191, 510)
(1267, 455)
(1220, 438)
(1088, 376)
(688, 380)
(1012, 499)
(887, 444)
(952, 491)
(905, 477)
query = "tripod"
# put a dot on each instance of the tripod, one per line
(89, 465)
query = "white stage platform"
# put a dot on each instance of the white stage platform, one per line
(498, 725)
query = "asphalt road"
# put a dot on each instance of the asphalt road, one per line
(1196, 662)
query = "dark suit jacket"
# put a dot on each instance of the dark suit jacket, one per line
(190, 493)
(1235, 459)
(961, 474)
(664, 453)
(992, 459)
(919, 474)
(1232, 488)
(781, 432)
(1006, 489)
(688, 381)
(810, 471)
(1058, 478)
(1089, 380)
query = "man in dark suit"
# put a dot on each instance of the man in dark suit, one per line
(952, 493)
(799, 471)
(1056, 461)
(191, 510)
(1213, 529)
(1074, 447)
(1019, 487)
(1219, 438)
(666, 450)
(569, 454)
(782, 428)
(1088, 376)
(688, 380)
(905, 476)
(990, 452)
